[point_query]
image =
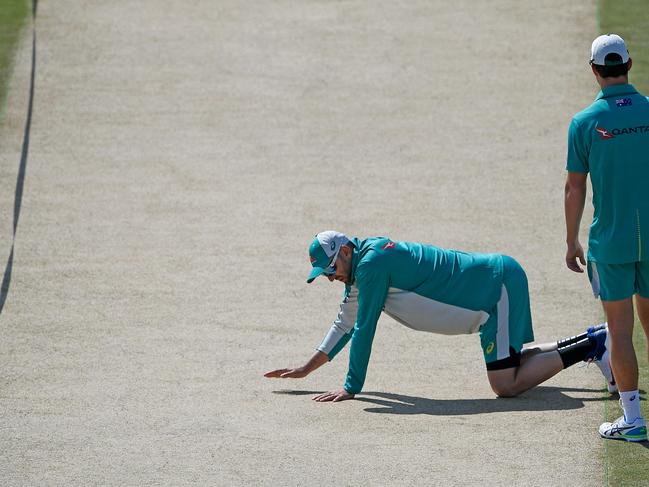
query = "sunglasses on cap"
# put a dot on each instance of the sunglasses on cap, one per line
(331, 270)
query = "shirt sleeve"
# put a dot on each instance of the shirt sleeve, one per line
(342, 327)
(372, 283)
(577, 160)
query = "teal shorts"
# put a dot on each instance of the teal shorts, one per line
(613, 282)
(510, 322)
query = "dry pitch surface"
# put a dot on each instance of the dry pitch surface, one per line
(182, 157)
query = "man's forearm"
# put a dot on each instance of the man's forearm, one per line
(575, 199)
(316, 361)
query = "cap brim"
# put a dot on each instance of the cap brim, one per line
(315, 272)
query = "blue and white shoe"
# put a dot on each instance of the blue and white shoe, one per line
(621, 430)
(594, 328)
(600, 354)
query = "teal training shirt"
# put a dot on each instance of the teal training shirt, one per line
(469, 281)
(610, 140)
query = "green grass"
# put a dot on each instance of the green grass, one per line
(630, 19)
(13, 15)
(626, 463)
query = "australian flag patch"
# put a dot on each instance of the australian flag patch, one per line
(624, 102)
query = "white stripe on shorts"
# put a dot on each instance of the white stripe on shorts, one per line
(594, 283)
(502, 334)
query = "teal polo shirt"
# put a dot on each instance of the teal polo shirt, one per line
(610, 140)
(468, 280)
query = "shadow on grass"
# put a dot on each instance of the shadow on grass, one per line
(644, 444)
(22, 169)
(629, 444)
(542, 398)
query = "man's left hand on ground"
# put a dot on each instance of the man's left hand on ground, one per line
(296, 373)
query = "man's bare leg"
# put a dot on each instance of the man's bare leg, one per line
(642, 305)
(623, 360)
(535, 349)
(631, 426)
(536, 367)
(540, 362)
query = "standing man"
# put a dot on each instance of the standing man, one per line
(440, 291)
(610, 140)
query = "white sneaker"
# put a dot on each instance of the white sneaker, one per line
(602, 359)
(605, 368)
(621, 430)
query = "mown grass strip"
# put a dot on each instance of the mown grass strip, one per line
(13, 15)
(628, 464)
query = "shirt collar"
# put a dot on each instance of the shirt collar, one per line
(616, 90)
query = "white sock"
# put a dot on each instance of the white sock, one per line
(631, 404)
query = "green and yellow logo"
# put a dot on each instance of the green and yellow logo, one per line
(490, 347)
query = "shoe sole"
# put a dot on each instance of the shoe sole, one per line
(624, 438)
(637, 438)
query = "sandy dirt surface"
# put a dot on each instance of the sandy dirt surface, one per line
(183, 155)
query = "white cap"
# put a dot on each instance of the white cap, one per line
(608, 44)
(323, 251)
